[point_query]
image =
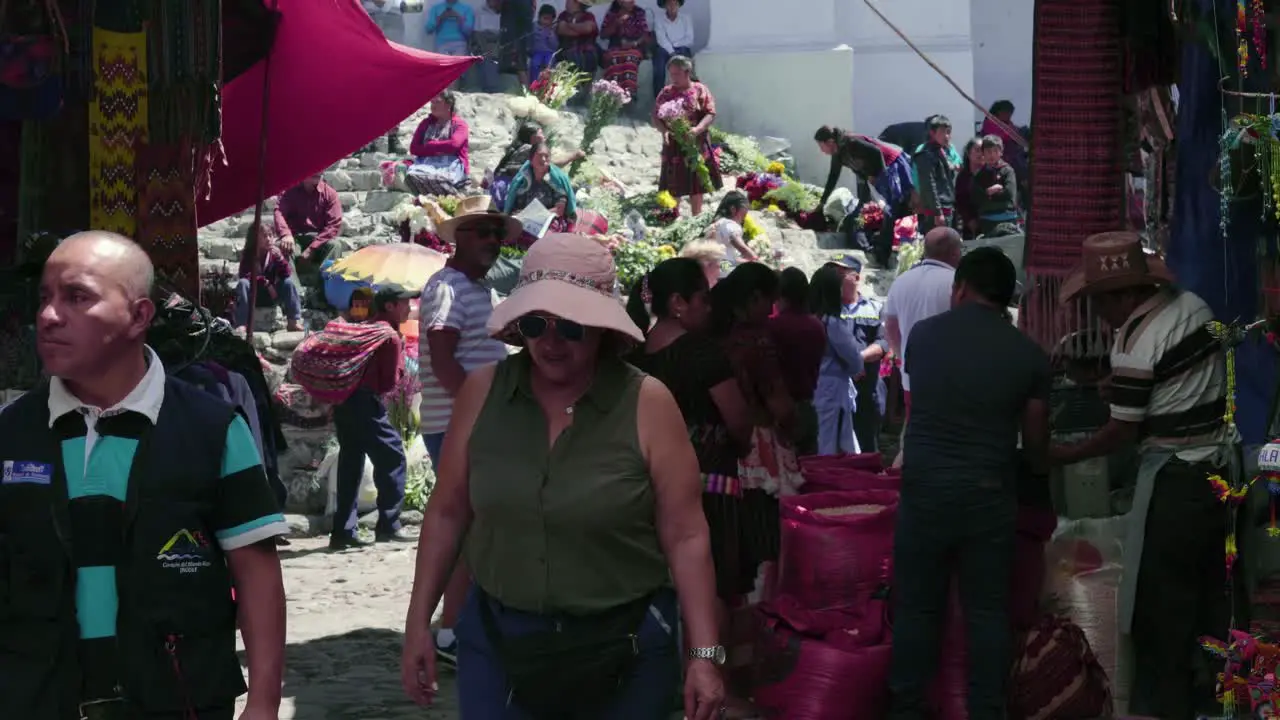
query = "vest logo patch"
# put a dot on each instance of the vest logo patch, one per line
(26, 472)
(186, 552)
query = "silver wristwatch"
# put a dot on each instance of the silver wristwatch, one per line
(715, 654)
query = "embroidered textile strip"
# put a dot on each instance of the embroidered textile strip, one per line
(117, 127)
(167, 214)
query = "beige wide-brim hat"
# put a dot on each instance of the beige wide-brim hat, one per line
(1114, 261)
(568, 276)
(471, 208)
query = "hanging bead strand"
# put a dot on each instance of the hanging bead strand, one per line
(1242, 39)
(1260, 32)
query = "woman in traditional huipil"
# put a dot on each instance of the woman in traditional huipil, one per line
(695, 102)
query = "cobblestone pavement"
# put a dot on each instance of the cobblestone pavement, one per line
(346, 624)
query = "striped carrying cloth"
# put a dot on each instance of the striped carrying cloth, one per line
(1077, 179)
(330, 364)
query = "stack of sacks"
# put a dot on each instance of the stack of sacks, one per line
(823, 646)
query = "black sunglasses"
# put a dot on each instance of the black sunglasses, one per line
(532, 327)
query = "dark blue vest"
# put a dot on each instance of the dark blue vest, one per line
(175, 646)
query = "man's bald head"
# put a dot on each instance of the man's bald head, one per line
(944, 245)
(113, 257)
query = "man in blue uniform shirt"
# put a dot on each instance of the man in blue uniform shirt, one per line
(869, 333)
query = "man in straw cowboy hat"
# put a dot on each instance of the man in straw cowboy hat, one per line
(571, 476)
(456, 304)
(1168, 394)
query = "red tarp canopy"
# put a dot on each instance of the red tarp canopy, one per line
(336, 83)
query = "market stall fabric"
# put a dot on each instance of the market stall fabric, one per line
(337, 83)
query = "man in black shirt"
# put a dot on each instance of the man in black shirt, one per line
(976, 382)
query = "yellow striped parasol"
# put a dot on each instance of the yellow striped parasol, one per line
(403, 266)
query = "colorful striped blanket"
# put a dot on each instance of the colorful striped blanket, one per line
(330, 364)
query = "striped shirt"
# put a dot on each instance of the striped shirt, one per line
(1169, 374)
(454, 301)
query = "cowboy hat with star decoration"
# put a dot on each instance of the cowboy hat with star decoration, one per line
(1113, 261)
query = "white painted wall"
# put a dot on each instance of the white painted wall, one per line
(1003, 36)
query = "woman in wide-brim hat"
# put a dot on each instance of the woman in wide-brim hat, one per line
(564, 462)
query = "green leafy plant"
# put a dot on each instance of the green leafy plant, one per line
(684, 230)
(419, 482)
(633, 260)
(795, 196)
(738, 154)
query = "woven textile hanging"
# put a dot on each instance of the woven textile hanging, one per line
(1077, 183)
(117, 128)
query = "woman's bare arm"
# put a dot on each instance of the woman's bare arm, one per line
(448, 513)
(682, 528)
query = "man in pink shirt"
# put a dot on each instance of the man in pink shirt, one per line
(308, 220)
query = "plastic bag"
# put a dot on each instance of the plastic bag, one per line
(367, 498)
(804, 678)
(835, 545)
(634, 222)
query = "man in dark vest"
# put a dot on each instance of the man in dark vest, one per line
(129, 505)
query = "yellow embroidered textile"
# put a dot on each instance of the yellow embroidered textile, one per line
(117, 128)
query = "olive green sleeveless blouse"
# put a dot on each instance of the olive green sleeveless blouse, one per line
(569, 528)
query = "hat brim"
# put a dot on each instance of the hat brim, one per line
(1076, 285)
(447, 230)
(561, 299)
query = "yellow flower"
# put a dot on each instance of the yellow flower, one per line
(773, 208)
(776, 168)
(756, 204)
(751, 229)
(666, 200)
(666, 252)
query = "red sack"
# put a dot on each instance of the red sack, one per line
(835, 545)
(804, 678)
(864, 623)
(836, 479)
(1056, 675)
(871, 462)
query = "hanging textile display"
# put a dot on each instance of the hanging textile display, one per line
(184, 39)
(117, 127)
(1076, 176)
(166, 220)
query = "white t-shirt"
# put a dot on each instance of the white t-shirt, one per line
(390, 7)
(725, 231)
(672, 34)
(453, 300)
(487, 20)
(919, 293)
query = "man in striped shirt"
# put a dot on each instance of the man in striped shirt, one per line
(1168, 394)
(455, 307)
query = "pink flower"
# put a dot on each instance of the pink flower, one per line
(673, 110)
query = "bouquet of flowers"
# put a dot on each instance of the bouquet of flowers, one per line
(607, 98)
(871, 216)
(557, 85)
(675, 115)
(402, 402)
(529, 107)
(758, 184)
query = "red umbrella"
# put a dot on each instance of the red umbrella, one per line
(335, 84)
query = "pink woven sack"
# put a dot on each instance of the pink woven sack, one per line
(871, 462)
(835, 545)
(838, 479)
(803, 678)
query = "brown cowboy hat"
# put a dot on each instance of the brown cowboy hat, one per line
(1113, 261)
(474, 208)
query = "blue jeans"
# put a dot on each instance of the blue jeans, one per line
(434, 443)
(483, 691)
(660, 59)
(286, 295)
(364, 429)
(939, 532)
